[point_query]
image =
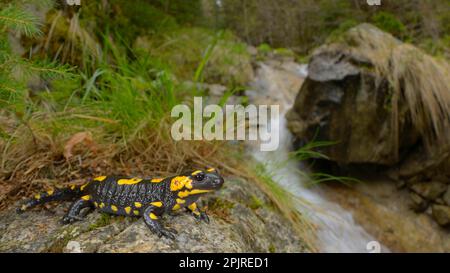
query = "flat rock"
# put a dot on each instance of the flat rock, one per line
(236, 225)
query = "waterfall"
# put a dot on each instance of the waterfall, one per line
(337, 231)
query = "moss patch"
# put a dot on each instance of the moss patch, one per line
(221, 208)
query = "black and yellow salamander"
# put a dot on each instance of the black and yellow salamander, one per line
(130, 196)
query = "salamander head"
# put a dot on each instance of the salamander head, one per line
(196, 182)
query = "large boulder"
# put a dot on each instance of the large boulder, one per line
(383, 103)
(379, 100)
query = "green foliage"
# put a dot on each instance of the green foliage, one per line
(264, 48)
(17, 19)
(440, 47)
(389, 23)
(343, 27)
(305, 24)
(104, 220)
(311, 150)
(198, 76)
(184, 12)
(255, 202)
(17, 71)
(281, 51)
(123, 95)
(276, 190)
(140, 17)
(199, 54)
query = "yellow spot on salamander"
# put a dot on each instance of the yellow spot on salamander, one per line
(86, 197)
(129, 181)
(50, 192)
(95, 204)
(188, 184)
(183, 194)
(127, 210)
(180, 201)
(136, 212)
(72, 187)
(156, 180)
(83, 186)
(193, 207)
(210, 170)
(153, 216)
(178, 182)
(196, 172)
(156, 204)
(100, 178)
(102, 205)
(137, 204)
(37, 196)
(176, 207)
(114, 208)
(198, 191)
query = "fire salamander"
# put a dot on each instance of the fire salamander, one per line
(130, 196)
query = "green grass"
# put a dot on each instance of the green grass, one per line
(311, 151)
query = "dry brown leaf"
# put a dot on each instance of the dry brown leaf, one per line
(82, 137)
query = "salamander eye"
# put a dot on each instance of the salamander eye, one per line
(199, 176)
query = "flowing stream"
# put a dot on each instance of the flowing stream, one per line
(337, 231)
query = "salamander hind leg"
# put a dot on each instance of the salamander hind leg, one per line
(151, 219)
(75, 212)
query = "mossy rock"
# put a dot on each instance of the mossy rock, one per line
(236, 225)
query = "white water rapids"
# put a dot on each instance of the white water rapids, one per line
(337, 231)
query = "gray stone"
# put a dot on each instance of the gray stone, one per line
(442, 215)
(345, 100)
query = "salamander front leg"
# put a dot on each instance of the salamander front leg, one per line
(74, 213)
(199, 215)
(151, 219)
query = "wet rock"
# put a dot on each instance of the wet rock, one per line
(429, 190)
(345, 99)
(342, 100)
(364, 94)
(441, 214)
(236, 226)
